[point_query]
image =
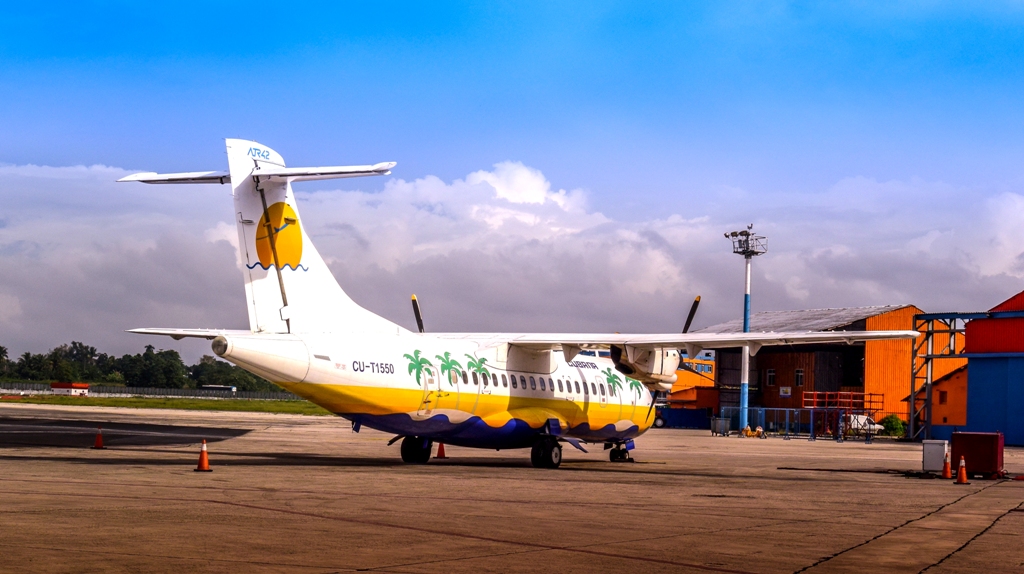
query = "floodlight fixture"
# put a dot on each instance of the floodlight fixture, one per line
(748, 244)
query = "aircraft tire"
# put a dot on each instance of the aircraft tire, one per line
(659, 422)
(546, 453)
(537, 454)
(416, 450)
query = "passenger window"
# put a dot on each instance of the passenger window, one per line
(611, 390)
(465, 379)
(542, 383)
(504, 381)
(476, 378)
(513, 377)
(577, 387)
(593, 389)
(494, 379)
(559, 385)
(522, 381)
(602, 390)
(484, 379)
(533, 383)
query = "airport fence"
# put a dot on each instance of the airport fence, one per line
(118, 391)
(825, 422)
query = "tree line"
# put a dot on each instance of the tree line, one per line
(79, 362)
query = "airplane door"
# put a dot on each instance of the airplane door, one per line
(431, 391)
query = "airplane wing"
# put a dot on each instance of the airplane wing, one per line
(694, 343)
(178, 334)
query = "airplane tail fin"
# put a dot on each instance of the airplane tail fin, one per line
(288, 287)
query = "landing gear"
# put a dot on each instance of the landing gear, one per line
(546, 453)
(659, 422)
(619, 453)
(416, 450)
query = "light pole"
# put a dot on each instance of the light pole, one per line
(747, 244)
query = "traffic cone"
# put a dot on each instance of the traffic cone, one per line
(204, 460)
(961, 475)
(947, 472)
(440, 450)
(99, 439)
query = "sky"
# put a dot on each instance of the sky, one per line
(561, 166)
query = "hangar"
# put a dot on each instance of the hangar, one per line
(779, 377)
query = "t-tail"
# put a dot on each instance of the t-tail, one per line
(288, 286)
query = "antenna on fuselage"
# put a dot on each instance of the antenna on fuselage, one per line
(416, 311)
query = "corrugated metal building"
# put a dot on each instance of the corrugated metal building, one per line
(995, 371)
(780, 375)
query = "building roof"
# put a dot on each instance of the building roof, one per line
(803, 320)
(1015, 303)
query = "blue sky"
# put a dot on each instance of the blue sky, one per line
(874, 129)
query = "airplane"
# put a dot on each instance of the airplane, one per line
(481, 390)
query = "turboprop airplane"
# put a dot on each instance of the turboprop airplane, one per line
(483, 390)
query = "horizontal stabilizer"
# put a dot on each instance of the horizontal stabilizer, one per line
(186, 177)
(178, 334)
(329, 172)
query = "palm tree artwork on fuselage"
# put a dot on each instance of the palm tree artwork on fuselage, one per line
(615, 384)
(449, 367)
(417, 364)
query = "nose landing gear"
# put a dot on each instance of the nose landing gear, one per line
(416, 450)
(619, 453)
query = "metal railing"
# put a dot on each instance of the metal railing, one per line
(117, 391)
(835, 423)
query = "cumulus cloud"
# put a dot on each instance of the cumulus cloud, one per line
(499, 250)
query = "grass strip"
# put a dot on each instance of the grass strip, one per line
(259, 406)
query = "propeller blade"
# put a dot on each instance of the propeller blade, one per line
(416, 311)
(689, 318)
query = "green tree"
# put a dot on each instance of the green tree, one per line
(210, 371)
(448, 366)
(154, 369)
(5, 362)
(417, 364)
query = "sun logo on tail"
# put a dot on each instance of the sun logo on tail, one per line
(287, 237)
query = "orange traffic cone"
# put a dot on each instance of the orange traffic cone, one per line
(440, 450)
(947, 472)
(204, 460)
(961, 475)
(99, 438)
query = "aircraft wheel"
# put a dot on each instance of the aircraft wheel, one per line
(659, 422)
(615, 455)
(546, 454)
(416, 450)
(537, 454)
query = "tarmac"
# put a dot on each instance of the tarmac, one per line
(293, 493)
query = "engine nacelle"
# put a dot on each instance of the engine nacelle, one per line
(654, 367)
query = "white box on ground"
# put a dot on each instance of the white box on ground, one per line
(933, 454)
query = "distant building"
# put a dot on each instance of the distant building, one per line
(781, 374)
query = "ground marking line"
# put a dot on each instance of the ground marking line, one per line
(893, 529)
(975, 537)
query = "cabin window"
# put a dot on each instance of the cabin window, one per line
(559, 385)
(476, 378)
(769, 377)
(593, 389)
(799, 376)
(513, 377)
(494, 379)
(577, 387)
(602, 389)
(533, 383)
(465, 379)
(943, 396)
(542, 383)
(522, 381)
(484, 379)
(504, 381)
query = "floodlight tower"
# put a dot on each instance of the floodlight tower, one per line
(749, 245)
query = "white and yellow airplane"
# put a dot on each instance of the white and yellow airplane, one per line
(483, 390)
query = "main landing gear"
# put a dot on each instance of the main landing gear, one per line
(546, 453)
(416, 450)
(618, 453)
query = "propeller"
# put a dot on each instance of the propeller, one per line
(689, 318)
(416, 311)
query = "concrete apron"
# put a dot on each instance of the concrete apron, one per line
(923, 543)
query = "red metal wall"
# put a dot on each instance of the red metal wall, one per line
(995, 336)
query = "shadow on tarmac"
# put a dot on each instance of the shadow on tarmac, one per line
(41, 432)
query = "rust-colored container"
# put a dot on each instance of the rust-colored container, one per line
(982, 452)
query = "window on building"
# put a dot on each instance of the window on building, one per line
(769, 377)
(504, 381)
(943, 396)
(559, 385)
(799, 377)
